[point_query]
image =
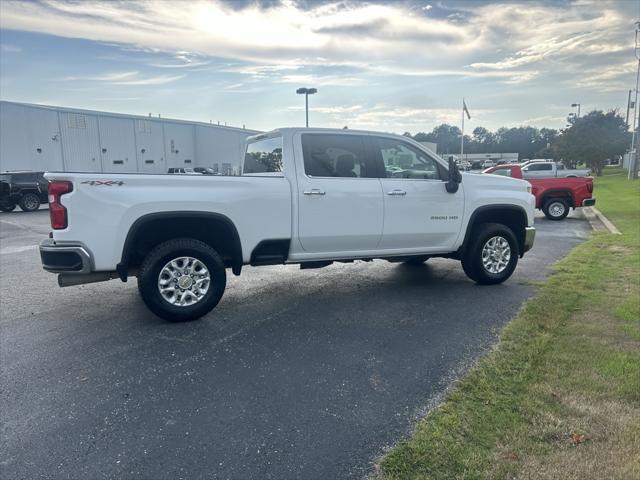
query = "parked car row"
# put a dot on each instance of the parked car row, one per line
(193, 171)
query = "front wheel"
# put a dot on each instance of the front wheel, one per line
(492, 255)
(30, 202)
(182, 279)
(556, 209)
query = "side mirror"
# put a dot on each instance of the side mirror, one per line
(455, 177)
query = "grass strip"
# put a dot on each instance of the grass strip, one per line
(559, 396)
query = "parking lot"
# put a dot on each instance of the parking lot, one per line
(296, 374)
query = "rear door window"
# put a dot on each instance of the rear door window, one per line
(263, 156)
(537, 167)
(336, 155)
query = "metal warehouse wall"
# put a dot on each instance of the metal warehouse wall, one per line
(36, 137)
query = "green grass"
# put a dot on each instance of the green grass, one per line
(568, 365)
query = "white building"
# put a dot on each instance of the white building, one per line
(45, 138)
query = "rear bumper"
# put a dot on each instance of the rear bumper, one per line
(588, 202)
(529, 238)
(62, 257)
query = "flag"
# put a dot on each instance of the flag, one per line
(465, 109)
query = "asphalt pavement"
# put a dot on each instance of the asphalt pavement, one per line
(296, 374)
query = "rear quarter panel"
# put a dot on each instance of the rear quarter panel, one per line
(102, 208)
(574, 187)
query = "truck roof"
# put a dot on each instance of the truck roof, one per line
(293, 130)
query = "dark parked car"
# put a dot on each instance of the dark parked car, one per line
(205, 170)
(25, 189)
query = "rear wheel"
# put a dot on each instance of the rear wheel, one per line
(556, 209)
(182, 279)
(7, 207)
(30, 202)
(492, 256)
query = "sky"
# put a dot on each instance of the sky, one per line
(392, 66)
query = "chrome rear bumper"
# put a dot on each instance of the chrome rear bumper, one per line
(63, 257)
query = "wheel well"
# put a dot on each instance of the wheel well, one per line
(513, 217)
(151, 230)
(563, 194)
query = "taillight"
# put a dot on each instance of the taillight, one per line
(57, 211)
(590, 187)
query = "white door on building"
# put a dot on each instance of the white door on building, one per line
(80, 144)
(117, 145)
(45, 149)
(150, 147)
(179, 145)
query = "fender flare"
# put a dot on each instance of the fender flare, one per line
(488, 208)
(127, 248)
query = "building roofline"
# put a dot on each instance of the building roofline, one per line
(127, 115)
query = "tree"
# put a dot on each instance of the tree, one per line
(592, 139)
(422, 137)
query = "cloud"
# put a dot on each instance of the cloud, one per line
(324, 80)
(124, 78)
(103, 77)
(388, 117)
(515, 39)
(520, 58)
(7, 48)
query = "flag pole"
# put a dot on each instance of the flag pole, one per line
(462, 140)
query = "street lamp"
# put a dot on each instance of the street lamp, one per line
(574, 105)
(306, 92)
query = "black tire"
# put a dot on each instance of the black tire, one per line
(156, 260)
(556, 209)
(416, 261)
(7, 207)
(472, 261)
(30, 202)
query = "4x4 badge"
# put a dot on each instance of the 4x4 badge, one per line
(108, 183)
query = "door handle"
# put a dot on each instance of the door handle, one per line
(314, 191)
(397, 192)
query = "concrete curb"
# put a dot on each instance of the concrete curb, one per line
(592, 213)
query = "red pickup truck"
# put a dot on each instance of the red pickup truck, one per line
(553, 195)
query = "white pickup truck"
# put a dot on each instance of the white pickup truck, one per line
(305, 196)
(544, 169)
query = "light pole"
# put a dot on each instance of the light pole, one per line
(633, 153)
(574, 105)
(306, 92)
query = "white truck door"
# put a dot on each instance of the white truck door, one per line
(418, 211)
(339, 195)
(538, 170)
